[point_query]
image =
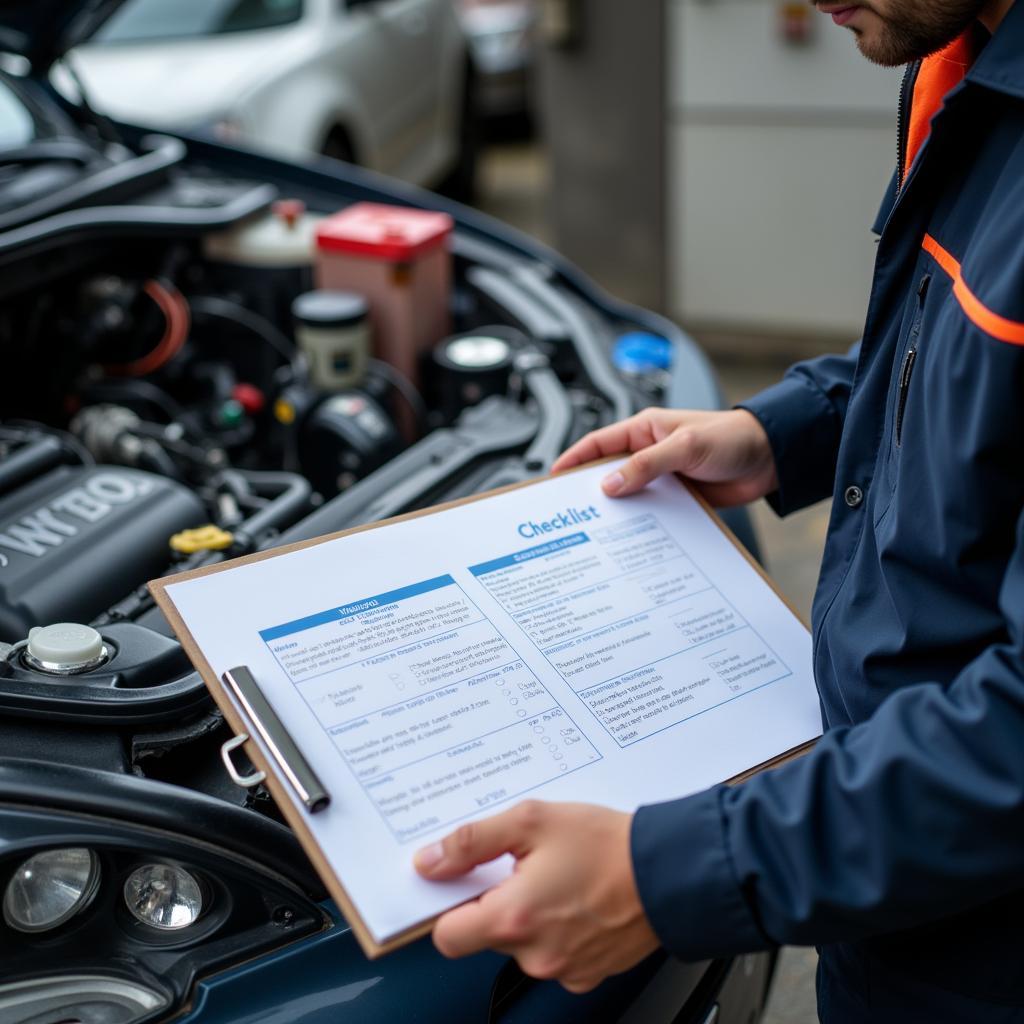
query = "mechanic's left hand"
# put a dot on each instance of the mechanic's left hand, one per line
(570, 911)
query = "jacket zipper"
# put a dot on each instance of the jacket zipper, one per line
(901, 406)
(902, 128)
(907, 370)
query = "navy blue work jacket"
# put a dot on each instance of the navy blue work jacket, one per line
(898, 843)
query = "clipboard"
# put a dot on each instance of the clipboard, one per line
(277, 761)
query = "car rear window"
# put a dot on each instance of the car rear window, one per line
(146, 20)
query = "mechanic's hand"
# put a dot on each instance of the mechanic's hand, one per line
(725, 454)
(571, 909)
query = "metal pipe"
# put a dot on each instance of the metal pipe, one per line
(554, 411)
(287, 506)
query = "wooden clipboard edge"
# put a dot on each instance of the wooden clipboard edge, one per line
(296, 820)
(774, 762)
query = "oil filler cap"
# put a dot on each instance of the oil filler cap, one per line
(64, 648)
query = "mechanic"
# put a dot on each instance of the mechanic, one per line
(897, 844)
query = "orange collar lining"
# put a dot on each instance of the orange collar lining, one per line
(937, 75)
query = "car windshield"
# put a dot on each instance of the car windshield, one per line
(146, 20)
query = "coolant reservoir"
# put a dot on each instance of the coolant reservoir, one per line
(284, 238)
(268, 259)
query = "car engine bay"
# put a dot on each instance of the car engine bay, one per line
(172, 399)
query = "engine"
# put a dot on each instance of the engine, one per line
(76, 539)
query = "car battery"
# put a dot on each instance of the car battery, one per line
(399, 259)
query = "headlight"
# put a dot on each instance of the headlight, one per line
(163, 896)
(50, 888)
(154, 910)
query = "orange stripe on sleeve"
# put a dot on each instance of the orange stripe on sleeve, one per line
(999, 327)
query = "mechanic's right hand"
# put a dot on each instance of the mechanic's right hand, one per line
(726, 455)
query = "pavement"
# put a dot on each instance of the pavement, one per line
(513, 187)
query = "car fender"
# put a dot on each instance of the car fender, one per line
(298, 112)
(295, 105)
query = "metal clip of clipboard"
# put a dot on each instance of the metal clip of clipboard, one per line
(263, 720)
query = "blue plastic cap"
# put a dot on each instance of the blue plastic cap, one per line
(640, 352)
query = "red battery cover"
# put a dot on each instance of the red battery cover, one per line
(394, 234)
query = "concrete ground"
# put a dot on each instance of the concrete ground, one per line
(513, 187)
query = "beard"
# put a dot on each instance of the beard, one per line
(913, 29)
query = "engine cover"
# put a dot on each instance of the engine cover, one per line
(76, 540)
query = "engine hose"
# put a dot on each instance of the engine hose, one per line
(287, 506)
(554, 411)
(589, 350)
(546, 314)
(211, 307)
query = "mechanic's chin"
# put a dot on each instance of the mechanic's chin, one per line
(873, 35)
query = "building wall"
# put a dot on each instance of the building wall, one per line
(778, 155)
(602, 110)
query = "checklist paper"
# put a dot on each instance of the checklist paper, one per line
(546, 642)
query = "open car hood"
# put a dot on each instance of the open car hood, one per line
(44, 30)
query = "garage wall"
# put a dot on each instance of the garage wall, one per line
(602, 107)
(778, 154)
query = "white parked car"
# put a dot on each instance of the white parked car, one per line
(381, 83)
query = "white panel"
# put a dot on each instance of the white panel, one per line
(731, 54)
(770, 226)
